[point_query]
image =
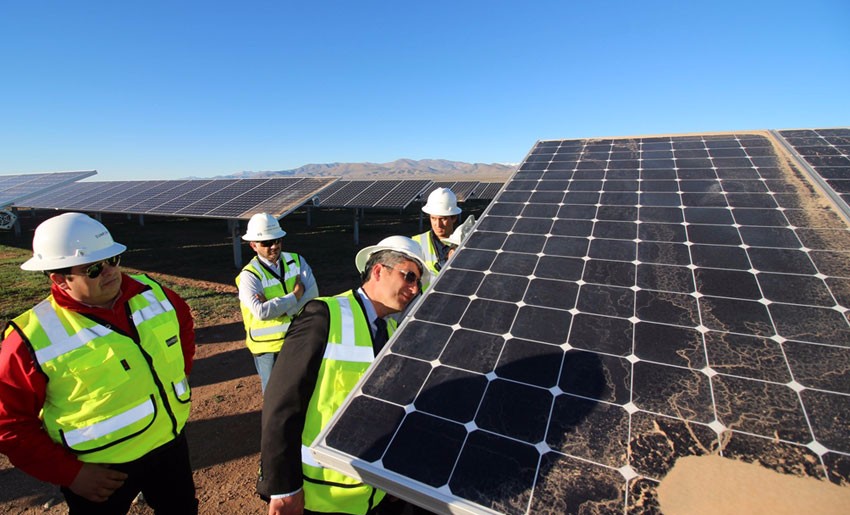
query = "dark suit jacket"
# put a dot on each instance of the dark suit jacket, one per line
(287, 396)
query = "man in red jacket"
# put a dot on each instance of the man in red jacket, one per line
(94, 393)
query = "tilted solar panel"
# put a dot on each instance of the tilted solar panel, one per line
(344, 192)
(390, 194)
(371, 195)
(622, 303)
(292, 197)
(404, 193)
(486, 190)
(827, 152)
(197, 192)
(16, 188)
(462, 189)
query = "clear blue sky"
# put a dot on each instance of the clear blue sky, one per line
(145, 90)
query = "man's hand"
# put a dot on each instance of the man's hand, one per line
(299, 288)
(292, 505)
(97, 482)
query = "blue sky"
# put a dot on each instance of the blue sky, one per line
(149, 90)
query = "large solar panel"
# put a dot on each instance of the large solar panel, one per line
(373, 194)
(622, 303)
(486, 190)
(827, 153)
(462, 189)
(17, 188)
(235, 198)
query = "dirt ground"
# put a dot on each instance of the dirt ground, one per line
(224, 427)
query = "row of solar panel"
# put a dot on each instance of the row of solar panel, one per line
(238, 198)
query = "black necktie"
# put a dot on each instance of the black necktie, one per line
(381, 334)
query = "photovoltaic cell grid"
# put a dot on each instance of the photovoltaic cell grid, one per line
(622, 303)
(229, 198)
(373, 194)
(16, 188)
(462, 189)
(486, 190)
(827, 151)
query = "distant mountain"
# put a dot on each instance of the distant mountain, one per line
(438, 169)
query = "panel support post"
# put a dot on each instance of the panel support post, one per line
(233, 225)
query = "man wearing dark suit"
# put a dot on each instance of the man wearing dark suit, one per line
(328, 348)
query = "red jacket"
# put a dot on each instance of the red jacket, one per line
(23, 387)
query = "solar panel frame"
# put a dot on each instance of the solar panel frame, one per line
(598, 273)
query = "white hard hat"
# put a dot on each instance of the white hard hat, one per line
(441, 202)
(460, 233)
(401, 244)
(263, 227)
(68, 240)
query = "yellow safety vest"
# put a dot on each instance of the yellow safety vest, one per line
(429, 252)
(110, 399)
(348, 354)
(267, 335)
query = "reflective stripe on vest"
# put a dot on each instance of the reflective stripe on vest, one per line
(60, 342)
(154, 308)
(110, 425)
(346, 350)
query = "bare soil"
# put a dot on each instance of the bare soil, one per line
(224, 427)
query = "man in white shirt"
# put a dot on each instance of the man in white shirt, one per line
(273, 287)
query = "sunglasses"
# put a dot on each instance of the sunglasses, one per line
(93, 271)
(268, 243)
(409, 277)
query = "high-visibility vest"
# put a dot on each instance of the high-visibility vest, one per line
(432, 257)
(110, 398)
(267, 335)
(348, 354)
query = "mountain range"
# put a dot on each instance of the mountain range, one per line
(437, 169)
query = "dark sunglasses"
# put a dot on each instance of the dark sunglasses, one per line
(268, 243)
(409, 277)
(94, 270)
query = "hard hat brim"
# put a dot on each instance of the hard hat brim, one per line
(451, 212)
(279, 233)
(41, 263)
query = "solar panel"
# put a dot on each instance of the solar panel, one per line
(462, 189)
(199, 198)
(404, 193)
(373, 194)
(16, 188)
(827, 152)
(343, 192)
(141, 202)
(622, 303)
(486, 190)
(277, 195)
(119, 198)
